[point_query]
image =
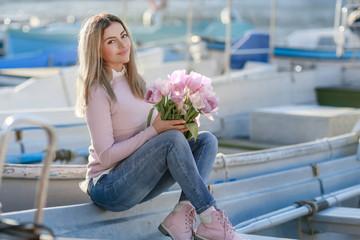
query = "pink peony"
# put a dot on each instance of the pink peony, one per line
(213, 102)
(163, 86)
(197, 100)
(192, 95)
(153, 96)
(178, 80)
(194, 82)
(177, 94)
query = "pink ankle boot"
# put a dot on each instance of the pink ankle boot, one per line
(179, 224)
(216, 226)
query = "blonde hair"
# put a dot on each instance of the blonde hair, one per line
(93, 70)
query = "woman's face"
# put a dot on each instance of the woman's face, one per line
(116, 46)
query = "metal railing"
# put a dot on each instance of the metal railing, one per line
(297, 210)
(10, 124)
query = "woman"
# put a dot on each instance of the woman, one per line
(130, 163)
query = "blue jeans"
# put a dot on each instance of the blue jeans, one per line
(159, 163)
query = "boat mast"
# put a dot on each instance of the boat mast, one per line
(228, 39)
(124, 10)
(272, 29)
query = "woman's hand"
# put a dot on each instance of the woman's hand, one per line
(163, 125)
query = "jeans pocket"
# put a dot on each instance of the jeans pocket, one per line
(101, 178)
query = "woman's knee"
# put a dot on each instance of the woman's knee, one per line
(174, 136)
(209, 139)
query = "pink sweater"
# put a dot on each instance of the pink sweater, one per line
(116, 129)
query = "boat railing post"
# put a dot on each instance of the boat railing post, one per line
(65, 87)
(124, 10)
(10, 124)
(339, 29)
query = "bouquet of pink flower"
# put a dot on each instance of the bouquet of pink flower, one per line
(183, 96)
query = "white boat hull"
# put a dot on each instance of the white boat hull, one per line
(19, 179)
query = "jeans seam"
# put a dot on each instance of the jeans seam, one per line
(192, 185)
(185, 198)
(201, 149)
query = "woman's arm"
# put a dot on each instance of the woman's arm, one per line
(98, 116)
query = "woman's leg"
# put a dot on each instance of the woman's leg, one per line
(135, 177)
(204, 150)
(179, 224)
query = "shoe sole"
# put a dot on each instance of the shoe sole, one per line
(165, 231)
(197, 237)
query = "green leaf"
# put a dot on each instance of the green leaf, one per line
(166, 116)
(162, 110)
(150, 116)
(193, 128)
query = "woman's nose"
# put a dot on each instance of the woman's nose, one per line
(121, 43)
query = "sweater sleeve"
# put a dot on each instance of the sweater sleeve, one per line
(98, 116)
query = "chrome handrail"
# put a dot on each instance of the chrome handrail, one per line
(10, 124)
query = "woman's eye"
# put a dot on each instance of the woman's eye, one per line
(111, 41)
(124, 35)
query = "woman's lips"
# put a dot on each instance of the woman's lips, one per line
(123, 52)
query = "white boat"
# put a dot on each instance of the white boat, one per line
(264, 193)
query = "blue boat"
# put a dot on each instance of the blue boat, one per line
(56, 45)
(315, 53)
(319, 43)
(247, 44)
(48, 46)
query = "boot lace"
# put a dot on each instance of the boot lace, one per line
(190, 218)
(228, 228)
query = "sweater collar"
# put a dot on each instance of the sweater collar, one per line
(118, 74)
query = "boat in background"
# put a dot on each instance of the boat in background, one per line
(330, 46)
(318, 44)
(251, 46)
(55, 45)
(51, 45)
(342, 42)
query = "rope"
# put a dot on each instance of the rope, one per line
(313, 207)
(225, 167)
(299, 228)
